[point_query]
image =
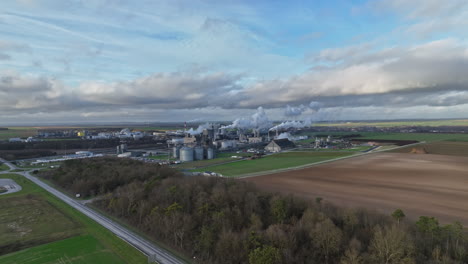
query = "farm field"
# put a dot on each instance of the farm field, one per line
(22, 132)
(428, 137)
(442, 148)
(274, 162)
(431, 185)
(435, 123)
(78, 249)
(30, 214)
(25, 222)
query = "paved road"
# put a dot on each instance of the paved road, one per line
(149, 249)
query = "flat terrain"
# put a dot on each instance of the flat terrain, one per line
(420, 184)
(79, 249)
(8, 186)
(14, 132)
(49, 231)
(428, 137)
(274, 162)
(4, 167)
(435, 123)
(442, 148)
(25, 221)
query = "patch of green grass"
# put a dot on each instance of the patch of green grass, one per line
(428, 137)
(14, 132)
(230, 154)
(353, 149)
(80, 249)
(25, 222)
(202, 163)
(108, 240)
(274, 162)
(4, 167)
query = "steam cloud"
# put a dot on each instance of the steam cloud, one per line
(292, 124)
(259, 120)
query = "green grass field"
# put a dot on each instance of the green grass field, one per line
(4, 167)
(79, 249)
(354, 149)
(14, 132)
(274, 162)
(108, 248)
(25, 222)
(428, 137)
(202, 163)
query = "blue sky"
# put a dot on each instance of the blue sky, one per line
(91, 61)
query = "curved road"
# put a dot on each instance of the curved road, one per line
(157, 254)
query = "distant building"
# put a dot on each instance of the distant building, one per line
(253, 140)
(279, 145)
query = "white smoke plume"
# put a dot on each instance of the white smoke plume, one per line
(284, 135)
(199, 130)
(291, 137)
(292, 124)
(259, 120)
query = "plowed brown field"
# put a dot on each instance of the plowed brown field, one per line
(419, 184)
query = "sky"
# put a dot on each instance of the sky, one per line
(148, 61)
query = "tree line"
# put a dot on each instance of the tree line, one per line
(217, 220)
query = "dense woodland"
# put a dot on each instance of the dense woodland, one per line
(216, 220)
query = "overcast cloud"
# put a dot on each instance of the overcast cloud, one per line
(106, 61)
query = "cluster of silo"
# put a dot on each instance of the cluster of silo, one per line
(190, 154)
(186, 154)
(121, 148)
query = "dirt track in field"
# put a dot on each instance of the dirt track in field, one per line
(419, 184)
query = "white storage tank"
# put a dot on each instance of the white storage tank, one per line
(210, 154)
(186, 154)
(176, 152)
(198, 153)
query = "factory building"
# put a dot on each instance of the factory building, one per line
(278, 145)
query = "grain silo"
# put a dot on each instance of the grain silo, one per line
(186, 154)
(176, 152)
(210, 153)
(198, 153)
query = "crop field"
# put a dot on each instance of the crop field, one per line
(78, 249)
(430, 185)
(274, 162)
(53, 232)
(441, 147)
(22, 132)
(428, 137)
(25, 221)
(435, 123)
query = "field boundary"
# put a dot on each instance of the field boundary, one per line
(255, 174)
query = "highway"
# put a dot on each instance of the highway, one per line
(149, 249)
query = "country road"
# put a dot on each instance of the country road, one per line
(158, 254)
